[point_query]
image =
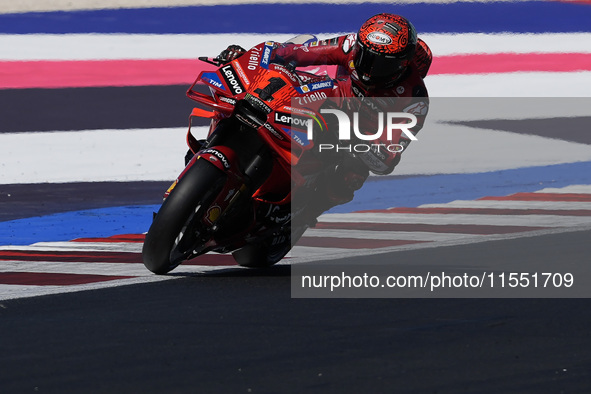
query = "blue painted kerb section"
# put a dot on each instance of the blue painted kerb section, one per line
(459, 17)
(377, 193)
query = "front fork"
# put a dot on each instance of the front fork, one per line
(232, 210)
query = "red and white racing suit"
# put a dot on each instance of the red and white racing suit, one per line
(409, 90)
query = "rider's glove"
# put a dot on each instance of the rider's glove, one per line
(230, 53)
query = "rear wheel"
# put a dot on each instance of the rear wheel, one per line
(261, 255)
(268, 252)
(175, 229)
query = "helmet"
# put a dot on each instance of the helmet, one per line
(385, 47)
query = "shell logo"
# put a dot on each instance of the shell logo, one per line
(213, 214)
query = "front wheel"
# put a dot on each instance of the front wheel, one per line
(173, 227)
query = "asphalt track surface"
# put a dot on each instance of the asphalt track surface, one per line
(240, 331)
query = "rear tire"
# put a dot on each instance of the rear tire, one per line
(260, 255)
(264, 254)
(199, 186)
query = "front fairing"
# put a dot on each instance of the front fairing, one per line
(277, 102)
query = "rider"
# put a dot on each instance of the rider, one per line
(384, 59)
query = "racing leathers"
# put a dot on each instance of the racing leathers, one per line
(407, 93)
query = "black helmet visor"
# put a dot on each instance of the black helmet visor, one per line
(374, 66)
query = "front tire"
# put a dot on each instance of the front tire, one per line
(198, 187)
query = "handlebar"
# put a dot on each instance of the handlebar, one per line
(215, 60)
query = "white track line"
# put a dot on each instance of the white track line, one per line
(386, 235)
(508, 204)
(132, 247)
(79, 268)
(583, 189)
(27, 47)
(450, 219)
(11, 6)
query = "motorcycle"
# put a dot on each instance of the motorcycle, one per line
(237, 191)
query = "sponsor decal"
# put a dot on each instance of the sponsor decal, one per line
(357, 91)
(218, 155)
(373, 162)
(230, 194)
(289, 74)
(298, 110)
(364, 100)
(232, 80)
(240, 72)
(311, 92)
(257, 102)
(379, 38)
(228, 100)
(419, 109)
(301, 47)
(254, 58)
(278, 240)
(273, 131)
(376, 150)
(266, 58)
(403, 143)
(213, 80)
(393, 26)
(311, 87)
(277, 214)
(213, 213)
(288, 120)
(171, 187)
(348, 43)
(299, 137)
(310, 98)
(247, 121)
(327, 42)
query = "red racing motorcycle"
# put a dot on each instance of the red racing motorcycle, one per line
(236, 193)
